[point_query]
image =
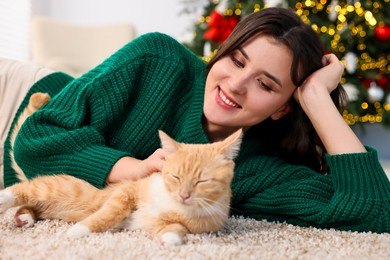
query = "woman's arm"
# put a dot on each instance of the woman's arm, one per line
(355, 196)
(74, 132)
(315, 100)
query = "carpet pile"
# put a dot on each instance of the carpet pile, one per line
(240, 239)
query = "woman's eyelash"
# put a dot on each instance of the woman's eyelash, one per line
(237, 62)
(265, 86)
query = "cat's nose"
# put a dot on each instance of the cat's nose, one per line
(185, 196)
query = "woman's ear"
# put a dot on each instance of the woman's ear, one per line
(281, 112)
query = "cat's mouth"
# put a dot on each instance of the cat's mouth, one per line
(188, 202)
(185, 202)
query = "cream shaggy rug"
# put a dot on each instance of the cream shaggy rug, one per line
(240, 239)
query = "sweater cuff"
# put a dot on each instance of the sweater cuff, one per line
(94, 163)
(359, 173)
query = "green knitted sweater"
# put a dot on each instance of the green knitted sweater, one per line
(155, 83)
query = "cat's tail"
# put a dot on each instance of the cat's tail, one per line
(37, 100)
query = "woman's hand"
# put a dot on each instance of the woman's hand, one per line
(314, 98)
(129, 168)
(154, 163)
(321, 83)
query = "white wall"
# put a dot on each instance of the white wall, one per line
(14, 29)
(146, 15)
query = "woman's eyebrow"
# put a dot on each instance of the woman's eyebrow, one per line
(243, 53)
(273, 78)
(264, 72)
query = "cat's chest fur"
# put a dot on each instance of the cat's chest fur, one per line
(155, 201)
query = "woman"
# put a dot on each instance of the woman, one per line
(299, 161)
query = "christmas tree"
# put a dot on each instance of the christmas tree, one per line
(358, 32)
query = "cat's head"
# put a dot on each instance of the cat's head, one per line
(200, 174)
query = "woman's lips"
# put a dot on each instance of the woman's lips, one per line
(225, 101)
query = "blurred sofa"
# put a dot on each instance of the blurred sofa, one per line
(72, 48)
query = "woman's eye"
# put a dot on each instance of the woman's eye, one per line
(264, 86)
(237, 62)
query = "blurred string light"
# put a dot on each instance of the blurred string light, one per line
(352, 119)
(366, 62)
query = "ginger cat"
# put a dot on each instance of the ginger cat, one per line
(191, 195)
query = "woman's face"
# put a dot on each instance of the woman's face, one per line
(248, 86)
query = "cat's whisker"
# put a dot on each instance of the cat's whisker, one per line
(222, 205)
(227, 206)
(216, 216)
(217, 204)
(206, 207)
(210, 209)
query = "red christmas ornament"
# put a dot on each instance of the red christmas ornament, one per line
(382, 32)
(220, 27)
(383, 81)
(367, 82)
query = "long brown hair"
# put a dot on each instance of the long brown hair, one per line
(292, 137)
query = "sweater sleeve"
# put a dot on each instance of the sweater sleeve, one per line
(68, 135)
(354, 196)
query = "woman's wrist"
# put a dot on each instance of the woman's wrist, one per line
(316, 102)
(312, 96)
(124, 169)
(336, 135)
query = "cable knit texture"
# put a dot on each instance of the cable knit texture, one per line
(154, 83)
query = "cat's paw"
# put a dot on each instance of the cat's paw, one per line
(24, 220)
(170, 239)
(7, 199)
(78, 230)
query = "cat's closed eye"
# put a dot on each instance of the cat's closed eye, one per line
(202, 181)
(175, 177)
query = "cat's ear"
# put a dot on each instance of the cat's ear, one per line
(231, 145)
(167, 143)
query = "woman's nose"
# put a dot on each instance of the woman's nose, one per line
(239, 84)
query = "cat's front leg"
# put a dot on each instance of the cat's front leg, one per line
(78, 230)
(113, 211)
(172, 235)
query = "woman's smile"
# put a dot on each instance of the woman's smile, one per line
(225, 101)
